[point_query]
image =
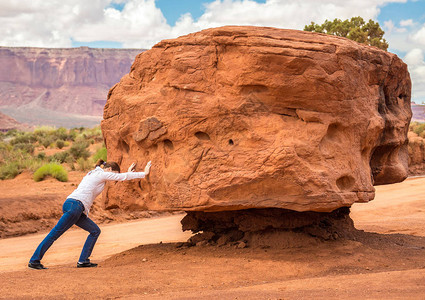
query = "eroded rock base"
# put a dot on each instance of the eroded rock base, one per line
(272, 227)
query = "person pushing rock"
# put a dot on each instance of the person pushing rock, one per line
(77, 206)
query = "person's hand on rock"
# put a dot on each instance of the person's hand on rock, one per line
(148, 167)
(132, 167)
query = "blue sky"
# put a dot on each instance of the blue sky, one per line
(172, 10)
(142, 23)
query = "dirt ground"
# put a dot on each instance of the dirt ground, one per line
(385, 260)
(27, 206)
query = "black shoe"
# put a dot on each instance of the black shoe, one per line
(86, 265)
(36, 266)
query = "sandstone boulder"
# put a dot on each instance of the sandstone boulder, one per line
(247, 117)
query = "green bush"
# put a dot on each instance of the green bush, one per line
(43, 131)
(72, 134)
(12, 132)
(52, 169)
(46, 142)
(418, 128)
(79, 149)
(23, 138)
(60, 157)
(61, 134)
(84, 164)
(31, 164)
(9, 170)
(5, 147)
(41, 156)
(28, 148)
(100, 154)
(94, 133)
(60, 144)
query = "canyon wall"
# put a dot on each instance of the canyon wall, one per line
(75, 81)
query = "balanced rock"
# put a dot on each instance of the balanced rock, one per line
(246, 117)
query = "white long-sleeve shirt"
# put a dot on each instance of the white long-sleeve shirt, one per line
(94, 182)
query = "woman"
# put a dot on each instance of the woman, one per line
(77, 206)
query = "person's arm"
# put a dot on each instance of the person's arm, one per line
(122, 176)
(129, 175)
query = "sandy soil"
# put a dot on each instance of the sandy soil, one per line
(386, 260)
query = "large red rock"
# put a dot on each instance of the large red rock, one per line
(248, 117)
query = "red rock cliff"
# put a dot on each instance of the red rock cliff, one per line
(74, 80)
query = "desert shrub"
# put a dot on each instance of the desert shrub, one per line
(9, 170)
(94, 133)
(31, 164)
(28, 148)
(51, 169)
(23, 138)
(100, 154)
(61, 134)
(81, 138)
(41, 156)
(5, 146)
(46, 141)
(79, 149)
(12, 132)
(84, 164)
(418, 128)
(72, 134)
(44, 131)
(60, 157)
(60, 144)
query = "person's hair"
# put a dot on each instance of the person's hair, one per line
(110, 164)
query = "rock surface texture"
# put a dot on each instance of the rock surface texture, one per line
(237, 118)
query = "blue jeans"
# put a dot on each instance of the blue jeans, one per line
(72, 214)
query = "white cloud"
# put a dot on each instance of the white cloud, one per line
(404, 23)
(388, 26)
(141, 23)
(45, 23)
(419, 36)
(416, 63)
(414, 57)
(412, 43)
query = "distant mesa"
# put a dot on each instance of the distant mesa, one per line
(418, 111)
(58, 86)
(7, 123)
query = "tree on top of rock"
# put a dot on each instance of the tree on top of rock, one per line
(355, 29)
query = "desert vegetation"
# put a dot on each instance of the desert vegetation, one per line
(51, 169)
(418, 128)
(49, 151)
